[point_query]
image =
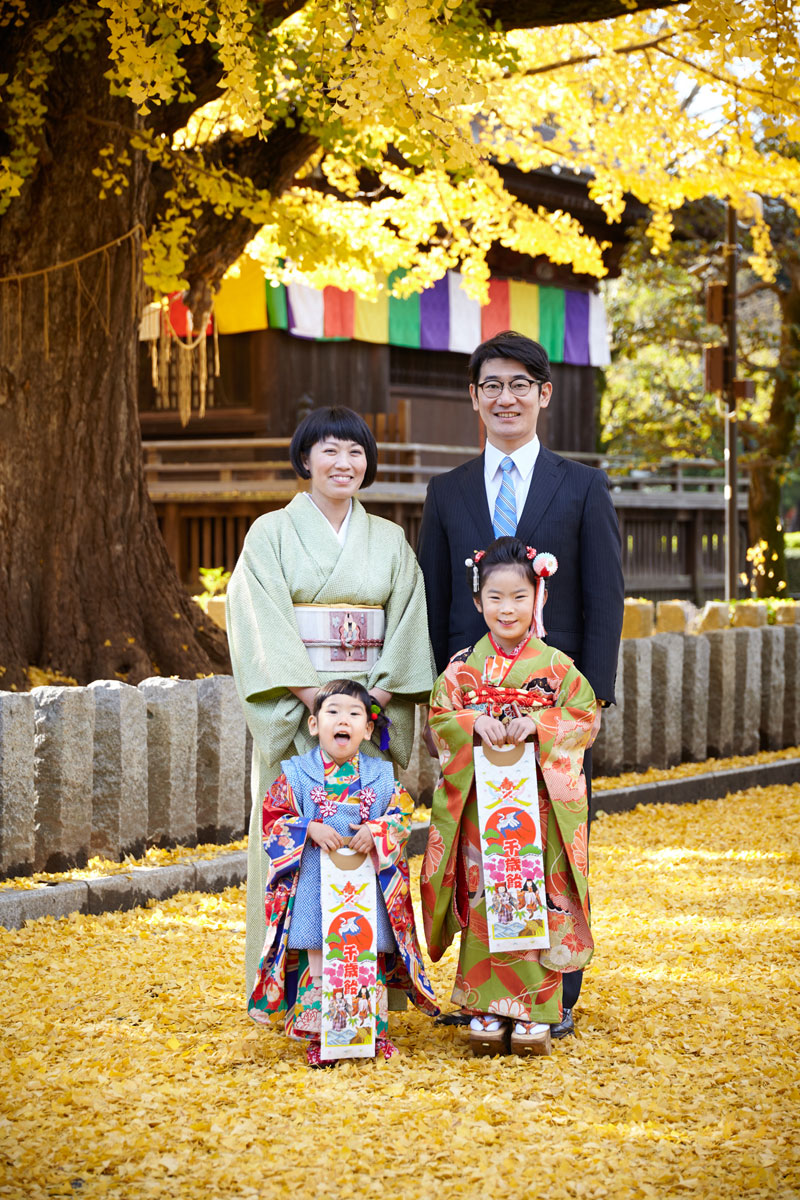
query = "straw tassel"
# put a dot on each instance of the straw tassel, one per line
(183, 372)
(202, 376)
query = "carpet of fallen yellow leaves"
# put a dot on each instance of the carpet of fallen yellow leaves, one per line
(128, 1068)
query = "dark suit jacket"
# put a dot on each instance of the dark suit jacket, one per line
(569, 513)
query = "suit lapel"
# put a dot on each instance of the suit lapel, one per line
(548, 475)
(473, 491)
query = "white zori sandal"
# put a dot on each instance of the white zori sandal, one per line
(488, 1035)
(528, 1037)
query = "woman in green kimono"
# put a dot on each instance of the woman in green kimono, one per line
(351, 581)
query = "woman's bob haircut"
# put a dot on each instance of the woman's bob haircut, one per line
(340, 423)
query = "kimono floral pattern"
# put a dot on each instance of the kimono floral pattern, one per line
(281, 986)
(564, 710)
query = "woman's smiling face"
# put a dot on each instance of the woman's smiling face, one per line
(337, 468)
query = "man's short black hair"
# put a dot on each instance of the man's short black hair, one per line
(509, 344)
(340, 423)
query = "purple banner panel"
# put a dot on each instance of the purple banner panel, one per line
(576, 328)
(434, 317)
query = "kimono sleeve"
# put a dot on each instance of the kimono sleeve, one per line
(405, 666)
(452, 722)
(442, 880)
(390, 832)
(565, 732)
(267, 652)
(284, 829)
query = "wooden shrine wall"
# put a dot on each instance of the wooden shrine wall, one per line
(267, 378)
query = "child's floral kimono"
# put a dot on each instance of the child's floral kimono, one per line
(542, 683)
(306, 792)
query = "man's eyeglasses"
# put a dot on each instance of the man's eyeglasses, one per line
(519, 387)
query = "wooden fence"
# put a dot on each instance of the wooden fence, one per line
(207, 493)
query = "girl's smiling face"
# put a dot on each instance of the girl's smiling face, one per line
(506, 601)
(341, 725)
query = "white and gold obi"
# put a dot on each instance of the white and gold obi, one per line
(341, 637)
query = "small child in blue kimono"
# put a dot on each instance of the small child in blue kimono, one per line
(335, 795)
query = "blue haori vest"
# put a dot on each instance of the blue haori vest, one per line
(303, 773)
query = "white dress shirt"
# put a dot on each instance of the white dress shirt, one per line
(524, 459)
(341, 532)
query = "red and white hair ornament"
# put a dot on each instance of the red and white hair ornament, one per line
(471, 562)
(544, 566)
(530, 553)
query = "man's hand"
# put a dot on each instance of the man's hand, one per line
(381, 695)
(491, 731)
(519, 729)
(325, 836)
(362, 840)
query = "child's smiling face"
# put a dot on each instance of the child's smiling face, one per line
(506, 601)
(341, 725)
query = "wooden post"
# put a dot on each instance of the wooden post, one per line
(731, 448)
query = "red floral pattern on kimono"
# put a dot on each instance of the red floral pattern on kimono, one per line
(540, 682)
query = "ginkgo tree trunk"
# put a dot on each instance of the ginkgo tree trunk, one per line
(86, 585)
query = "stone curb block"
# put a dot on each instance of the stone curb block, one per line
(159, 883)
(698, 787)
(114, 893)
(216, 874)
(31, 904)
(121, 892)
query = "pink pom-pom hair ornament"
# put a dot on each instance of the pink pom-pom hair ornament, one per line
(544, 565)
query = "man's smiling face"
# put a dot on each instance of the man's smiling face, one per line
(510, 420)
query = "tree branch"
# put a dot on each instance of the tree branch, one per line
(760, 286)
(532, 14)
(577, 60)
(729, 81)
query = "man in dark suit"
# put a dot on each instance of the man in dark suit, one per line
(517, 486)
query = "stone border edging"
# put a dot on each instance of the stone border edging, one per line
(131, 889)
(712, 786)
(122, 891)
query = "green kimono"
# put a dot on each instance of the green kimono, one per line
(294, 557)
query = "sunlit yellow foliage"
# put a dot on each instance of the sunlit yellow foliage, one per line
(408, 105)
(130, 1070)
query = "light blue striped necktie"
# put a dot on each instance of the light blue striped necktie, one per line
(504, 521)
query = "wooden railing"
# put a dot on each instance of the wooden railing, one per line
(210, 463)
(209, 491)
